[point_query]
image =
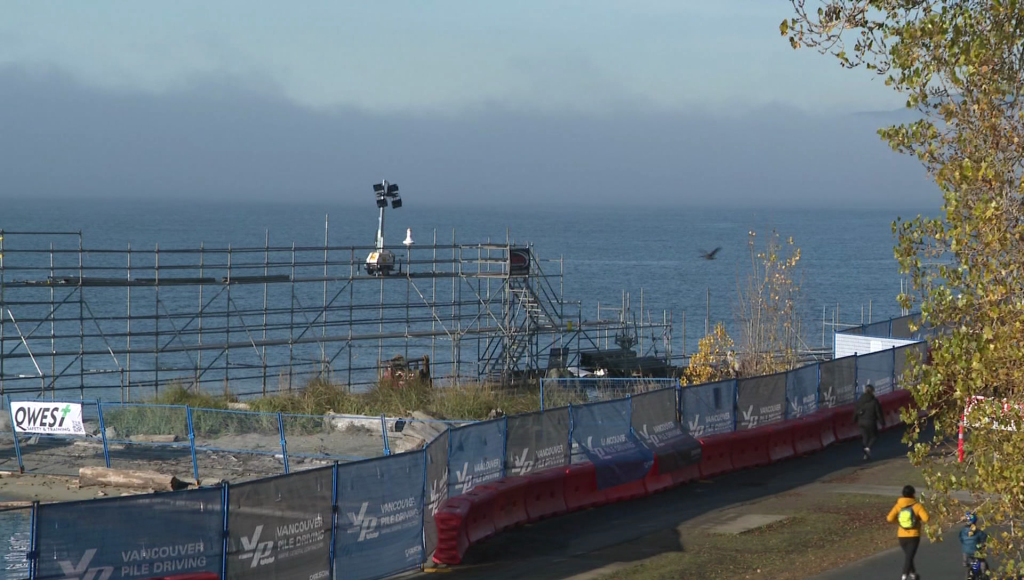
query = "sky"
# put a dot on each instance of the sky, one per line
(586, 97)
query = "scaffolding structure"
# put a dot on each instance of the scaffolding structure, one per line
(122, 323)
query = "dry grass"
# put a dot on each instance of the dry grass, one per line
(824, 532)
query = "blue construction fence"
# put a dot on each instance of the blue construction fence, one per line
(375, 517)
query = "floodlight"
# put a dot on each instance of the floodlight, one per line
(396, 202)
(382, 202)
(392, 189)
(378, 188)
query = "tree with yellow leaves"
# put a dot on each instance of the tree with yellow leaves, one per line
(713, 359)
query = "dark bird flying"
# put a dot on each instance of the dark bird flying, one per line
(710, 255)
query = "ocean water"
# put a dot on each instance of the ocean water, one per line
(847, 256)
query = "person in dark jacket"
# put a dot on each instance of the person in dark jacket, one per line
(867, 414)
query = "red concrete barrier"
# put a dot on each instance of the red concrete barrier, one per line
(509, 501)
(545, 494)
(656, 481)
(807, 434)
(581, 488)
(750, 448)
(892, 406)
(716, 455)
(842, 420)
(450, 520)
(686, 474)
(626, 491)
(780, 441)
(480, 519)
(827, 426)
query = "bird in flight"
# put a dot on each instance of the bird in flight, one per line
(710, 255)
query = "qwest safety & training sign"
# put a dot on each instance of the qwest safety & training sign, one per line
(47, 418)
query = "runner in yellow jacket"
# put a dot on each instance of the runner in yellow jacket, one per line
(908, 515)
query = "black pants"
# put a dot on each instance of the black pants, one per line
(868, 434)
(909, 546)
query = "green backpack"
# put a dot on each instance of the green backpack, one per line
(907, 518)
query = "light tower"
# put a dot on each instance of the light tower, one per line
(381, 262)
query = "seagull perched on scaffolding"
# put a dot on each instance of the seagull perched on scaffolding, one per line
(710, 255)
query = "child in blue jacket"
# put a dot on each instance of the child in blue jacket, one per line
(972, 540)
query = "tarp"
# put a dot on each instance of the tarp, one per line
(655, 422)
(15, 542)
(876, 369)
(710, 408)
(537, 441)
(760, 401)
(435, 487)
(838, 384)
(380, 514)
(901, 326)
(476, 455)
(802, 391)
(149, 536)
(904, 354)
(602, 431)
(280, 528)
(878, 329)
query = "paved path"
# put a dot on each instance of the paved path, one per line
(938, 561)
(576, 545)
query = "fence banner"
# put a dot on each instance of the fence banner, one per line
(602, 431)
(435, 487)
(53, 418)
(537, 441)
(878, 329)
(280, 527)
(760, 400)
(876, 369)
(380, 514)
(903, 355)
(710, 408)
(654, 421)
(476, 455)
(901, 326)
(15, 543)
(802, 391)
(838, 384)
(150, 536)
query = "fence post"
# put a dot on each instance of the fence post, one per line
(384, 434)
(735, 403)
(448, 463)
(225, 498)
(817, 390)
(334, 512)
(103, 433)
(629, 400)
(572, 427)
(192, 443)
(504, 448)
(427, 500)
(14, 431)
(893, 369)
(679, 401)
(890, 327)
(542, 394)
(32, 543)
(284, 441)
(856, 375)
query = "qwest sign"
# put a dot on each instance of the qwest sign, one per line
(47, 418)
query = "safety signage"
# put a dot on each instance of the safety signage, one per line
(47, 418)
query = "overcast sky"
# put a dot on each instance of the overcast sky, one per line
(691, 102)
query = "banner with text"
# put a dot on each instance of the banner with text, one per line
(760, 401)
(435, 488)
(151, 536)
(476, 455)
(877, 369)
(380, 516)
(602, 431)
(53, 418)
(537, 441)
(802, 391)
(655, 423)
(838, 383)
(280, 527)
(709, 409)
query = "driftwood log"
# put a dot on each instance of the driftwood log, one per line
(90, 476)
